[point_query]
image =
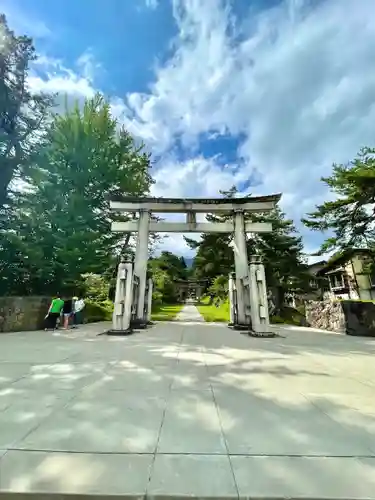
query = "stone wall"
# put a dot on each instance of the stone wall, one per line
(359, 317)
(353, 317)
(327, 315)
(22, 313)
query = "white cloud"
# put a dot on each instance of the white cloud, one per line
(52, 76)
(197, 177)
(152, 4)
(88, 65)
(297, 82)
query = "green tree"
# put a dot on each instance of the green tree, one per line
(350, 217)
(166, 269)
(61, 228)
(282, 254)
(214, 254)
(219, 288)
(23, 113)
(95, 287)
(174, 265)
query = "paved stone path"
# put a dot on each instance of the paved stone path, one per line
(181, 410)
(189, 313)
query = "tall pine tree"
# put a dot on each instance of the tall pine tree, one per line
(61, 227)
(23, 113)
(350, 217)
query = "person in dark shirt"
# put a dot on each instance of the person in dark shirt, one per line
(67, 312)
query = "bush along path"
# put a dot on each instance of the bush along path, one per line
(216, 312)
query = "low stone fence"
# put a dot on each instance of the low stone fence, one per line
(22, 313)
(352, 317)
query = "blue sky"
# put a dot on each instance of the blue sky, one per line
(264, 94)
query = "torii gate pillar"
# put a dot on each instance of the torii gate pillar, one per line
(141, 259)
(240, 261)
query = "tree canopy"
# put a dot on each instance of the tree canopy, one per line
(350, 216)
(282, 254)
(59, 228)
(23, 113)
(166, 269)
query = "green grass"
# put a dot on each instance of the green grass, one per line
(165, 312)
(211, 313)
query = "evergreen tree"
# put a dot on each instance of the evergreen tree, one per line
(351, 215)
(282, 254)
(166, 270)
(23, 113)
(61, 226)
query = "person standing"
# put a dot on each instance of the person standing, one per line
(54, 312)
(67, 312)
(78, 307)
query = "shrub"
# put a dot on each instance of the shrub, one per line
(96, 287)
(157, 298)
(289, 316)
(97, 311)
(219, 288)
(276, 319)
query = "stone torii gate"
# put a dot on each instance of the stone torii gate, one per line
(248, 283)
(185, 287)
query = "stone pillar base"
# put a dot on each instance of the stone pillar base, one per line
(140, 324)
(121, 333)
(242, 327)
(263, 335)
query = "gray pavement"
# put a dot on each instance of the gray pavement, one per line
(189, 313)
(187, 410)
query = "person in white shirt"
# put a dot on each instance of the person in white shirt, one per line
(78, 306)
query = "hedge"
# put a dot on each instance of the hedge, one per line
(97, 311)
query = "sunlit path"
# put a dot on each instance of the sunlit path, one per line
(188, 410)
(189, 313)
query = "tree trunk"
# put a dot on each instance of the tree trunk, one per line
(6, 174)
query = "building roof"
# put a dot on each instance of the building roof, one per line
(341, 257)
(317, 264)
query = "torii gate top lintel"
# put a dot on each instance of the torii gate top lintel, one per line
(192, 206)
(202, 205)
